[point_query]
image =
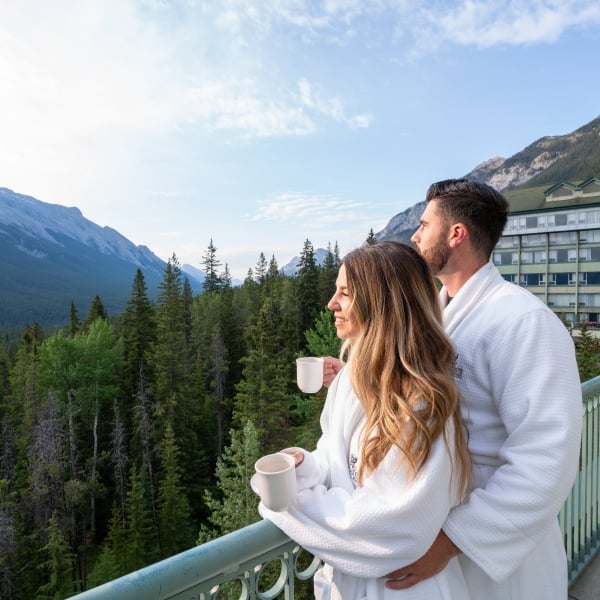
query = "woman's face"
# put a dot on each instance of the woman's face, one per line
(345, 324)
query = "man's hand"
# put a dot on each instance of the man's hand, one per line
(331, 367)
(430, 564)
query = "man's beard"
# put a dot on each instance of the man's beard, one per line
(437, 256)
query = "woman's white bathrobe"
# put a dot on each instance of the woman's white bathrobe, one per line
(363, 533)
(522, 404)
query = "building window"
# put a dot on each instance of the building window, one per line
(531, 222)
(505, 258)
(508, 241)
(533, 239)
(562, 237)
(526, 258)
(560, 219)
(585, 254)
(589, 236)
(558, 256)
(561, 300)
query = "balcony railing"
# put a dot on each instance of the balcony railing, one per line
(239, 559)
(579, 518)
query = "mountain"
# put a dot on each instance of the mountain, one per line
(51, 255)
(291, 268)
(549, 160)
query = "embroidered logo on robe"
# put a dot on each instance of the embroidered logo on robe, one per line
(458, 372)
(352, 468)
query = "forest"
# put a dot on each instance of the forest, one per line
(128, 438)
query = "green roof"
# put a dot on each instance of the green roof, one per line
(533, 199)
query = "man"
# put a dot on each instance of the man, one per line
(521, 403)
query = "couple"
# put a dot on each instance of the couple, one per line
(392, 499)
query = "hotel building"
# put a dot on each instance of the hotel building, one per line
(551, 246)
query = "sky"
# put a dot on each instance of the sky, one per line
(260, 124)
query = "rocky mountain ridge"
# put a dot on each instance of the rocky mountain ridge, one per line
(51, 255)
(549, 160)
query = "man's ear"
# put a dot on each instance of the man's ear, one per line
(457, 235)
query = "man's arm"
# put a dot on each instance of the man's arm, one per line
(430, 564)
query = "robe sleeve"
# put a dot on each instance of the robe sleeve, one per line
(535, 386)
(388, 522)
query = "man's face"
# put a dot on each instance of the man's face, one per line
(431, 238)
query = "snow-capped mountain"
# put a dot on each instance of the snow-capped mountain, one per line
(51, 222)
(51, 255)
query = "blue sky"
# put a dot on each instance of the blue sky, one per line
(262, 123)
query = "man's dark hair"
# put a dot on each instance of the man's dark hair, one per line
(477, 205)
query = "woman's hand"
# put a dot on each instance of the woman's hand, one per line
(297, 453)
(331, 367)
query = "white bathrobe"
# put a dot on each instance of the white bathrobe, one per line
(522, 404)
(363, 533)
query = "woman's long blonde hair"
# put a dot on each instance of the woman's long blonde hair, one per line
(401, 364)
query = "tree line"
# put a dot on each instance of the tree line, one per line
(128, 438)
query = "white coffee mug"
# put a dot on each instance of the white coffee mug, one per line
(309, 373)
(275, 480)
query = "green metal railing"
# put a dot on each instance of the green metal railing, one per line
(579, 518)
(246, 559)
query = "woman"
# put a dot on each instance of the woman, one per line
(392, 459)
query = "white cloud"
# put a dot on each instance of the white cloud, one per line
(313, 98)
(319, 208)
(240, 105)
(513, 22)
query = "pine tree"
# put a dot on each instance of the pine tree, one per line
(260, 271)
(169, 350)
(308, 287)
(263, 395)
(176, 396)
(176, 532)
(235, 505)
(142, 540)
(138, 331)
(211, 265)
(226, 281)
(587, 350)
(322, 339)
(327, 276)
(74, 322)
(371, 239)
(218, 383)
(112, 559)
(96, 311)
(57, 566)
